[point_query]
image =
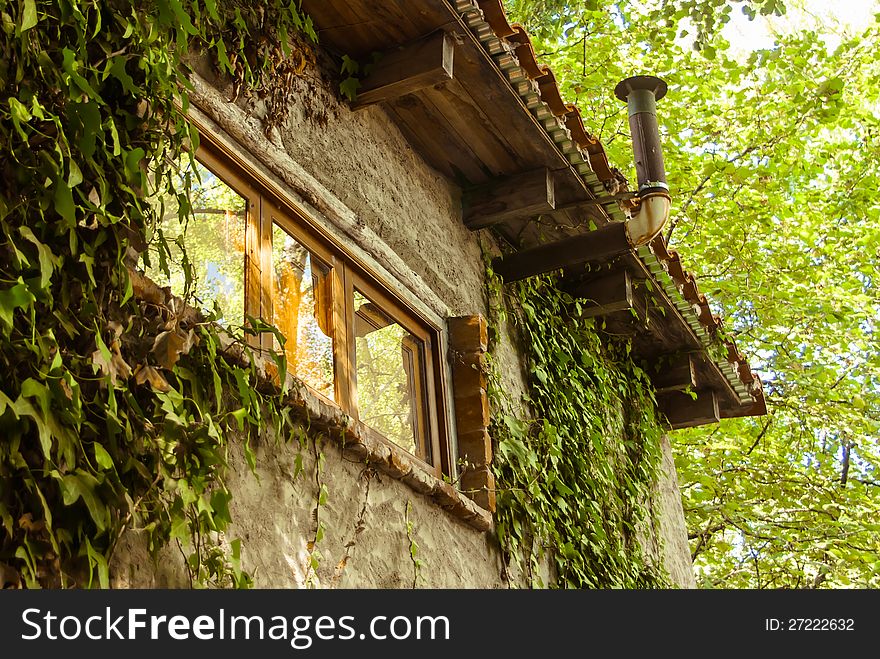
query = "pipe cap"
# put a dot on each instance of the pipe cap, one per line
(652, 83)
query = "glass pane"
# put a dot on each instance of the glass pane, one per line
(303, 311)
(390, 377)
(214, 238)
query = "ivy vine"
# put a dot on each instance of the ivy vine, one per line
(116, 409)
(578, 459)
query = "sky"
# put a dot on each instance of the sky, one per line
(836, 16)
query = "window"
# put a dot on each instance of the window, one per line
(301, 292)
(346, 336)
(393, 374)
(215, 245)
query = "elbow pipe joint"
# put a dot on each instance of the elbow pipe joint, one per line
(649, 219)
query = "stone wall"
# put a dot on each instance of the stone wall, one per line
(676, 555)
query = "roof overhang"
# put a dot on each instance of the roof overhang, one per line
(466, 90)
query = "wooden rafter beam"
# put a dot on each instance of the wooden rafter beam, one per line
(523, 195)
(682, 411)
(678, 376)
(601, 244)
(408, 69)
(604, 295)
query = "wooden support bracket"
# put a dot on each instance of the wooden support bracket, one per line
(523, 195)
(676, 377)
(604, 243)
(682, 411)
(408, 69)
(605, 295)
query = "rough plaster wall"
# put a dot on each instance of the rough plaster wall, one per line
(366, 543)
(667, 543)
(676, 555)
(367, 164)
(132, 566)
(365, 519)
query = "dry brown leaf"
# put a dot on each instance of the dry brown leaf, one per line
(27, 522)
(144, 289)
(116, 367)
(120, 366)
(102, 363)
(65, 388)
(170, 345)
(149, 374)
(89, 222)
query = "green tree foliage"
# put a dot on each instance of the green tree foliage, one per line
(773, 161)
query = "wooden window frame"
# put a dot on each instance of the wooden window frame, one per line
(430, 442)
(273, 214)
(267, 206)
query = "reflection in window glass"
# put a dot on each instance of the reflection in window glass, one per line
(214, 237)
(303, 312)
(390, 376)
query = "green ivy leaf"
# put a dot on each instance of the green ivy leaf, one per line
(48, 261)
(99, 562)
(220, 504)
(75, 177)
(102, 457)
(28, 16)
(117, 70)
(20, 115)
(17, 297)
(71, 65)
(81, 484)
(211, 7)
(240, 415)
(349, 65)
(88, 117)
(349, 87)
(64, 205)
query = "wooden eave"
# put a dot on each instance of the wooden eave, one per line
(662, 337)
(492, 120)
(474, 128)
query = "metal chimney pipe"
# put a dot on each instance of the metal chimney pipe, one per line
(641, 94)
